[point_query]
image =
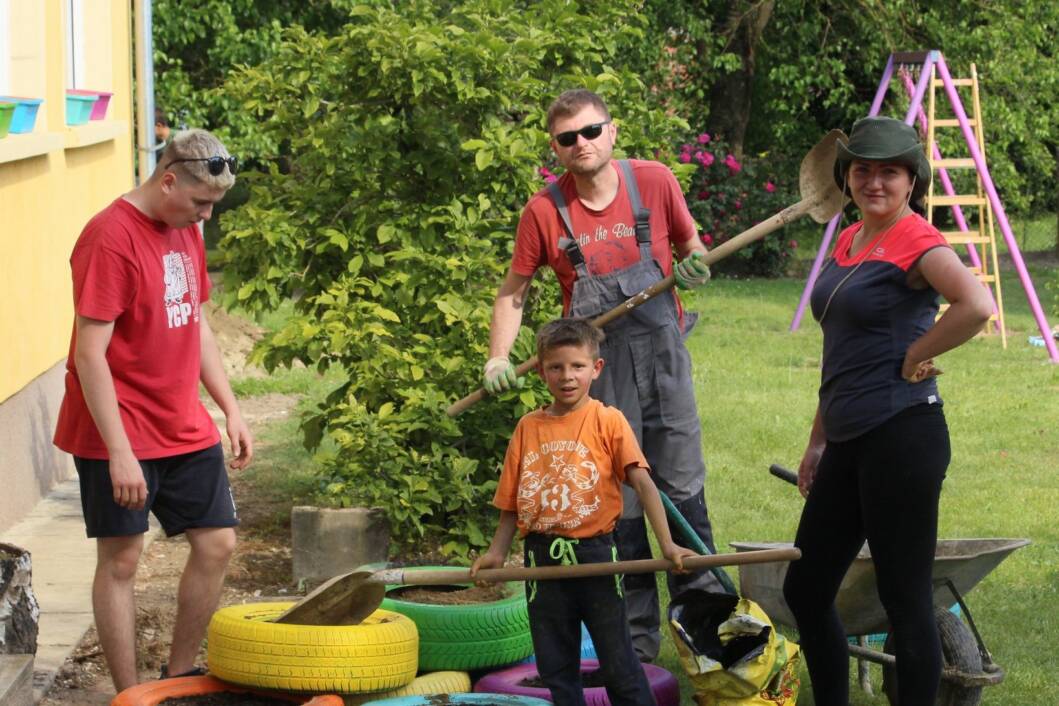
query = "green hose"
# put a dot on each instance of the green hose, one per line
(695, 542)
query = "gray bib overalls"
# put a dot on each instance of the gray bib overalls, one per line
(648, 377)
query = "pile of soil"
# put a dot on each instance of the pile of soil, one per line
(451, 595)
(236, 338)
(225, 699)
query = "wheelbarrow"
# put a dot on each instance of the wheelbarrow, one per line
(959, 564)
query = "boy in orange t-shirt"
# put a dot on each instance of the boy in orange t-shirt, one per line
(561, 489)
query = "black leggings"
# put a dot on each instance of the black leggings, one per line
(882, 486)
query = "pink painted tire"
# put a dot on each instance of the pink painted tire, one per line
(508, 681)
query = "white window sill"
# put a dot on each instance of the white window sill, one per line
(30, 144)
(93, 132)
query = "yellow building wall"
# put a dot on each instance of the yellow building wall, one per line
(69, 175)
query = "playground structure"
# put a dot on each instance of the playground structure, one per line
(931, 66)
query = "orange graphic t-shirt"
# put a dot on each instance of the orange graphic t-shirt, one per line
(563, 475)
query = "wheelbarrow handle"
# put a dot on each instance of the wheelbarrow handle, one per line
(783, 474)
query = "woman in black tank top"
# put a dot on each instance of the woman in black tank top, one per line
(879, 446)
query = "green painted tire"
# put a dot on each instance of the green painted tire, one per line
(468, 637)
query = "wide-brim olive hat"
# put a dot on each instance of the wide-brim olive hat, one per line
(882, 139)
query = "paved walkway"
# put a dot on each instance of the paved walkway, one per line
(64, 561)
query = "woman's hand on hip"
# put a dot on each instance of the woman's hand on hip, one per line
(919, 371)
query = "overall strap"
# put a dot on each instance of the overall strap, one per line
(568, 244)
(642, 215)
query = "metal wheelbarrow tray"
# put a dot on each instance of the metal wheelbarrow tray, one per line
(959, 564)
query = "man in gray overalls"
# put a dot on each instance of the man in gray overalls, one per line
(608, 230)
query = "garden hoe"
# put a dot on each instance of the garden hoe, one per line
(821, 200)
(349, 598)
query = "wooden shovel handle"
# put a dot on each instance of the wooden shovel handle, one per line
(720, 252)
(432, 577)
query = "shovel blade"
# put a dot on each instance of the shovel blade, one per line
(816, 179)
(346, 599)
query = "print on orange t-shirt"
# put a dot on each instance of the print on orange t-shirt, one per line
(563, 475)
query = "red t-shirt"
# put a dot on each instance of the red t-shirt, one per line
(607, 237)
(150, 280)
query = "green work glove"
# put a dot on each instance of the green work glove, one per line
(691, 271)
(499, 376)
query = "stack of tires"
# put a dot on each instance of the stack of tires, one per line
(377, 661)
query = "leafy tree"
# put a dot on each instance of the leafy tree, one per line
(787, 72)
(198, 43)
(820, 63)
(412, 140)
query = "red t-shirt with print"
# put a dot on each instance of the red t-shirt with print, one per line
(150, 280)
(563, 475)
(607, 237)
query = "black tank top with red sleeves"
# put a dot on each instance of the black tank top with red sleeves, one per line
(872, 318)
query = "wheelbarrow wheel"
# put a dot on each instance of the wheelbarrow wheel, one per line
(959, 651)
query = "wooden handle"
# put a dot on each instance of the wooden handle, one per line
(431, 577)
(478, 395)
(717, 254)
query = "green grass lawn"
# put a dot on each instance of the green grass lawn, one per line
(756, 385)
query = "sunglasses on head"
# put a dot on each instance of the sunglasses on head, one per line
(214, 165)
(589, 132)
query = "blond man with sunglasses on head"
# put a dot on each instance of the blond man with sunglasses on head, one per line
(132, 418)
(608, 229)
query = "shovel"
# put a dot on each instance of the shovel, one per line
(349, 598)
(821, 200)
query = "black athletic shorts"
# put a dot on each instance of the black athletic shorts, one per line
(188, 491)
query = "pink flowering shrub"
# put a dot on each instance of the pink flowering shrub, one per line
(727, 196)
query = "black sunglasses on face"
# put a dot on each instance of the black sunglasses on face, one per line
(589, 132)
(214, 165)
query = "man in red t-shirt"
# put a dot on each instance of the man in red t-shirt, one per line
(132, 418)
(604, 250)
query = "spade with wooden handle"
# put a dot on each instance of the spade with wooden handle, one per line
(821, 200)
(349, 598)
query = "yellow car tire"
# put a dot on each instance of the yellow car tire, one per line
(245, 647)
(427, 684)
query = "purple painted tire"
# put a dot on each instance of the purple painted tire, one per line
(508, 681)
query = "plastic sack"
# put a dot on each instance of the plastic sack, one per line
(732, 653)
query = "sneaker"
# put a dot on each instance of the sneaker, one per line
(193, 672)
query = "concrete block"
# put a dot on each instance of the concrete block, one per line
(16, 680)
(326, 542)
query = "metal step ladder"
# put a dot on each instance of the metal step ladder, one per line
(972, 212)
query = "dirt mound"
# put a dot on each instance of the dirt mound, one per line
(236, 337)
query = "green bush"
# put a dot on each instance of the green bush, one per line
(414, 139)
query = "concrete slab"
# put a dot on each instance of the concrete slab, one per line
(16, 680)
